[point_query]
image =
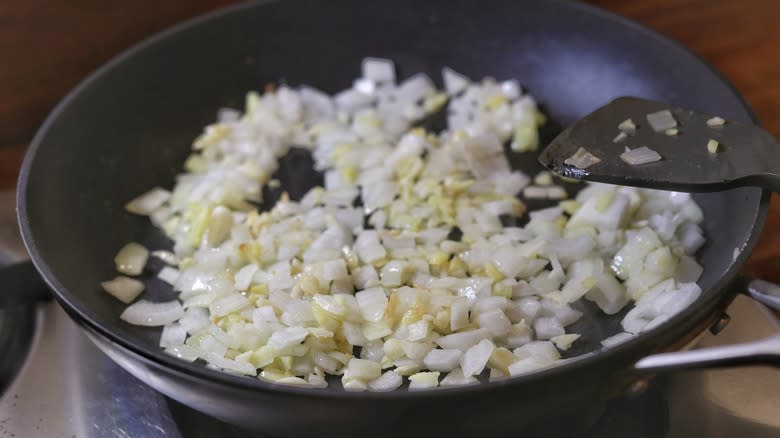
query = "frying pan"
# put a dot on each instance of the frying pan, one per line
(128, 127)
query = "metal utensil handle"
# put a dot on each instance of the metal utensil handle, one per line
(764, 351)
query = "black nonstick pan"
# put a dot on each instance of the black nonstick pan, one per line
(129, 126)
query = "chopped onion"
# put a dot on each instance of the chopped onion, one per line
(424, 380)
(183, 352)
(556, 192)
(454, 82)
(713, 146)
(641, 155)
(662, 120)
(388, 381)
(582, 159)
(534, 192)
(379, 70)
(564, 342)
(621, 137)
(627, 127)
(543, 178)
(475, 358)
(148, 313)
(168, 275)
(125, 289)
(715, 122)
(167, 257)
(422, 280)
(172, 335)
(147, 203)
(131, 259)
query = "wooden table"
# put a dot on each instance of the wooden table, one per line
(47, 46)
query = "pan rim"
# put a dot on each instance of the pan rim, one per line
(160, 359)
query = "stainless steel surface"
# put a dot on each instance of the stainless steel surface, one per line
(67, 388)
(729, 402)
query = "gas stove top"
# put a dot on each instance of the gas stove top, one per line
(55, 383)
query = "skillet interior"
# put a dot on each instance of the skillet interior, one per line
(129, 126)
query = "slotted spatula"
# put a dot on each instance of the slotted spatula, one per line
(746, 155)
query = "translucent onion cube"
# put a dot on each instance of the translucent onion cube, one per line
(442, 360)
(125, 289)
(388, 381)
(424, 380)
(475, 358)
(131, 259)
(372, 303)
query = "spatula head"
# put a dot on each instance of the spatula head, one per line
(744, 155)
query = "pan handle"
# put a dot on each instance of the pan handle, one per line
(21, 284)
(763, 351)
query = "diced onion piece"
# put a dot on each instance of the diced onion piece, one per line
(168, 275)
(167, 257)
(183, 352)
(365, 86)
(148, 202)
(564, 342)
(713, 146)
(621, 137)
(361, 369)
(442, 360)
(671, 132)
(414, 88)
(462, 340)
(662, 120)
(125, 289)
(230, 365)
(715, 122)
(454, 82)
(456, 378)
(148, 313)
(379, 70)
(543, 178)
(527, 365)
(543, 350)
(372, 302)
(627, 127)
(476, 357)
(287, 337)
(424, 380)
(388, 381)
(582, 159)
(228, 304)
(639, 156)
(556, 193)
(547, 328)
(220, 223)
(172, 335)
(534, 192)
(494, 321)
(131, 259)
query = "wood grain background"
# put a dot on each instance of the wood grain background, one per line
(48, 46)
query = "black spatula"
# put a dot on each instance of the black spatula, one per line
(738, 154)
